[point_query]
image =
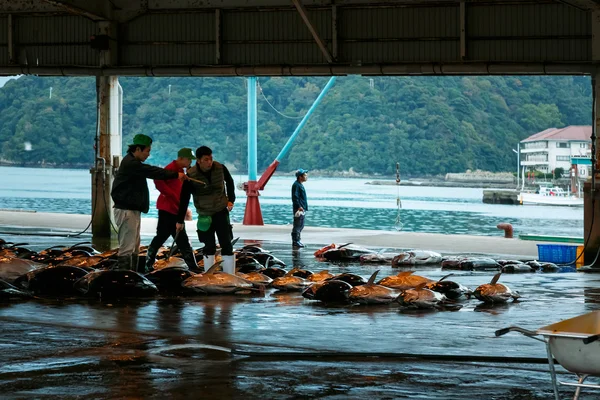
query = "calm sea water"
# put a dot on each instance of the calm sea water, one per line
(333, 202)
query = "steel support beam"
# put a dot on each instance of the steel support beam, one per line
(218, 36)
(591, 190)
(334, 32)
(463, 30)
(11, 40)
(302, 11)
(595, 15)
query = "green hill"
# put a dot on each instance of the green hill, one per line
(431, 125)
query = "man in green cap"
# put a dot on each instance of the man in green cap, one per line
(213, 200)
(168, 207)
(131, 198)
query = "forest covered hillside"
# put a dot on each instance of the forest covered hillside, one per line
(431, 125)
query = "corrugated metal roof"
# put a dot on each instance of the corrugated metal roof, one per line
(572, 132)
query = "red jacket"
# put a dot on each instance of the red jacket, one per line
(170, 191)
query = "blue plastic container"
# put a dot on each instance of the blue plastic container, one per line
(557, 253)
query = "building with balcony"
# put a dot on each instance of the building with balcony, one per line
(558, 148)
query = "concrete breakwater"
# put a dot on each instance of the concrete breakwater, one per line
(439, 183)
(501, 197)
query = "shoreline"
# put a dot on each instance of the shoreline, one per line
(373, 179)
(473, 185)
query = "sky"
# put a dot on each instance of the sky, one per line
(4, 79)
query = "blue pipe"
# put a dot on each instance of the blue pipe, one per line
(252, 124)
(290, 141)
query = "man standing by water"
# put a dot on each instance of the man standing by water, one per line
(300, 205)
(130, 195)
(213, 200)
(168, 207)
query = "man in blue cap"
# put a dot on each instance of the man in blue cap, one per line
(300, 206)
(131, 197)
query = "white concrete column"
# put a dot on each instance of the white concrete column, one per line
(109, 155)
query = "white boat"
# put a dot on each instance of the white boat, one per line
(550, 196)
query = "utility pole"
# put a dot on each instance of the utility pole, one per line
(518, 161)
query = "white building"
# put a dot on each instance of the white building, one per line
(558, 148)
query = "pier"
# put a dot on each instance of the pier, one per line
(501, 196)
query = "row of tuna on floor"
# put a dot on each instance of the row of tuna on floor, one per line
(69, 274)
(350, 252)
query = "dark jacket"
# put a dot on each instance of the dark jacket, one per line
(213, 197)
(130, 189)
(299, 196)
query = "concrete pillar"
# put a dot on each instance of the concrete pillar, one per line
(591, 189)
(109, 156)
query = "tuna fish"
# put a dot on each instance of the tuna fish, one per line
(377, 258)
(479, 264)
(170, 279)
(517, 269)
(217, 282)
(351, 279)
(257, 278)
(302, 273)
(371, 293)
(273, 272)
(420, 297)
(51, 280)
(247, 263)
(452, 262)
(346, 253)
(290, 282)
(417, 257)
(8, 291)
(450, 289)
(403, 281)
(12, 268)
(252, 248)
(332, 291)
(495, 292)
(267, 259)
(115, 284)
(170, 262)
(320, 276)
(311, 291)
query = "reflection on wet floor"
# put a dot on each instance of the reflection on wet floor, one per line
(180, 346)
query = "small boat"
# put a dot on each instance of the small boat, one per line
(550, 196)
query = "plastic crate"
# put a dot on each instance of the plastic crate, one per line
(557, 253)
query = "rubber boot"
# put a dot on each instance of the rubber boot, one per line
(190, 259)
(150, 258)
(229, 264)
(209, 261)
(136, 265)
(124, 263)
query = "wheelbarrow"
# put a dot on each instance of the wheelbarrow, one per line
(574, 344)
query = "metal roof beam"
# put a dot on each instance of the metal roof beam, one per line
(586, 5)
(425, 69)
(85, 8)
(313, 31)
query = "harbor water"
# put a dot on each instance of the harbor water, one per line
(333, 202)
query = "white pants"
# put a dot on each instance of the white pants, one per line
(128, 223)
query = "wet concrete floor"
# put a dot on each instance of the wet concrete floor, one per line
(282, 346)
